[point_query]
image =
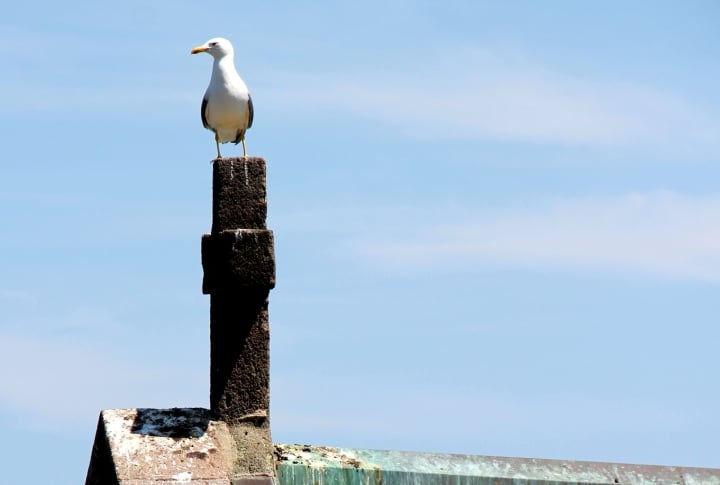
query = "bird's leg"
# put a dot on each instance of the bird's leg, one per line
(243, 144)
(217, 145)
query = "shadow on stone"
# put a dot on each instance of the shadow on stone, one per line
(172, 423)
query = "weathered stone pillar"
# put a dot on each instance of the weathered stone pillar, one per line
(230, 443)
(239, 271)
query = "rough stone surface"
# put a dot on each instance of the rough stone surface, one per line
(151, 446)
(239, 270)
(239, 194)
(254, 449)
(239, 259)
(254, 481)
(239, 355)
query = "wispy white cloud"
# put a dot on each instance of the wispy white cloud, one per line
(477, 95)
(455, 93)
(653, 233)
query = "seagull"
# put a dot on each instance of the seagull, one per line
(227, 108)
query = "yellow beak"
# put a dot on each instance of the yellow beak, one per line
(198, 49)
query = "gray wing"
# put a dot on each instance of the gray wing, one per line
(203, 109)
(251, 111)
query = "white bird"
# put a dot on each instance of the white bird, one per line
(227, 108)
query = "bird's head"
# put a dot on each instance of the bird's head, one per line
(217, 47)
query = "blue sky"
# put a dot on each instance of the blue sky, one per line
(497, 223)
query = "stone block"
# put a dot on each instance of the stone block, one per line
(181, 445)
(239, 259)
(239, 194)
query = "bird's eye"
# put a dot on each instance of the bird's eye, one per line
(213, 44)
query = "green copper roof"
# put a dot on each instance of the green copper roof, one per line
(320, 465)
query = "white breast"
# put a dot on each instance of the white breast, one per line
(227, 110)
